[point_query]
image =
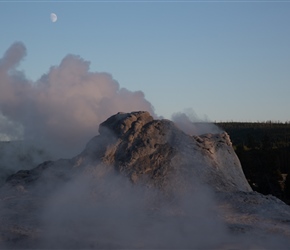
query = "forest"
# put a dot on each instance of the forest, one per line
(264, 152)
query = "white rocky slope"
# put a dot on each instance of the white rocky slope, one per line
(143, 148)
(142, 183)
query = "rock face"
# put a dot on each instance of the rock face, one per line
(156, 150)
(75, 211)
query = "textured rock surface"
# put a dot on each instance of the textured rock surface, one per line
(156, 150)
(94, 200)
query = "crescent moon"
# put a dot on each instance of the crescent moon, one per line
(53, 17)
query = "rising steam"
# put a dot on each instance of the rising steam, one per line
(63, 109)
(192, 124)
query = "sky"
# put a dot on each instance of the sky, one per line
(223, 60)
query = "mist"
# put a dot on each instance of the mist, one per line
(192, 124)
(10, 131)
(60, 111)
(111, 213)
(100, 209)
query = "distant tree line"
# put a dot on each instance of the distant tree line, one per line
(264, 151)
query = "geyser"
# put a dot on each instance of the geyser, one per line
(141, 183)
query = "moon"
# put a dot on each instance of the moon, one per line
(53, 17)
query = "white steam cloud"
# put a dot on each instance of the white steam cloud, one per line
(65, 106)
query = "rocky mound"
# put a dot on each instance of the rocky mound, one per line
(156, 151)
(141, 183)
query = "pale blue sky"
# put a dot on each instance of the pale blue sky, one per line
(225, 60)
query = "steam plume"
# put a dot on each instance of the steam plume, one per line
(65, 106)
